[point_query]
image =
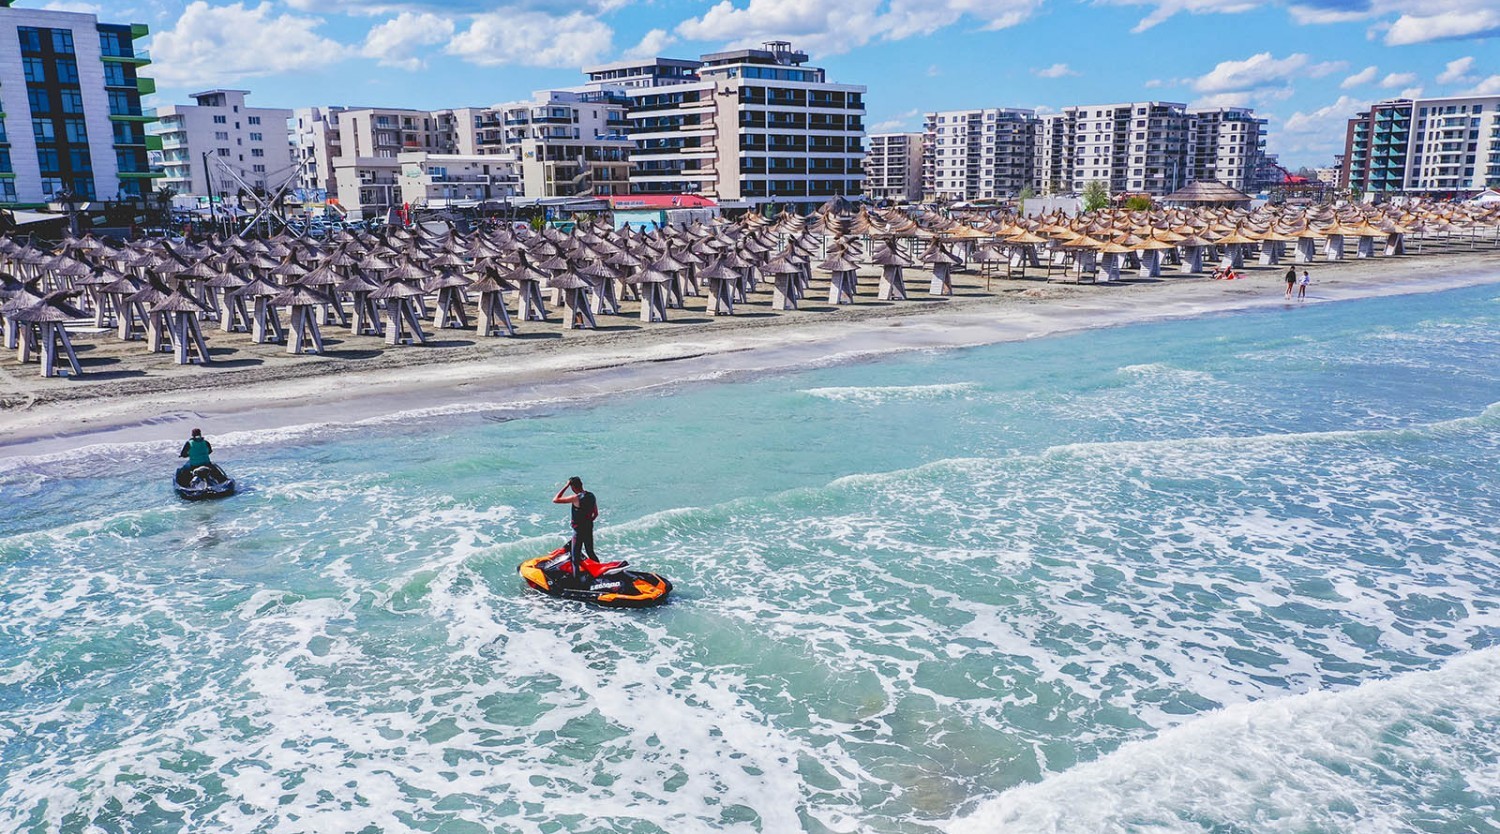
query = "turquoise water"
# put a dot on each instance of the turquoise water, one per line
(1231, 574)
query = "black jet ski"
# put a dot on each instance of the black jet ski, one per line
(203, 482)
(610, 584)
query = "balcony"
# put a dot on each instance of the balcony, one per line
(133, 114)
(139, 57)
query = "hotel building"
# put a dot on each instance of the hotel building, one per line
(71, 122)
(1436, 146)
(218, 145)
(570, 143)
(893, 167)
(1375, 146)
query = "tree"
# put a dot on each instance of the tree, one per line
(1026, 194)
(1095, 196)
(1139, 202)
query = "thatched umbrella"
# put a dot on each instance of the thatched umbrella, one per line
(494, 319)
(528, 284)
(181, 312)
(892, 262)
(364, 319)
(144, 300)
(48, 315)
(303, 334)
(601, 279)
(20, 296)
(575, 290)
(722, 281)
(401, 312)
(265, 322)
(449, 311)
(784, 273)
(841, 282)
(652, 283)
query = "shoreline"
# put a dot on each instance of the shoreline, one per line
(420, 383)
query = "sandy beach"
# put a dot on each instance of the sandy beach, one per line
(128, 393)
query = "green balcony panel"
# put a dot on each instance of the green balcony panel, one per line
(146, 86)
(139, 30)
(142, 175)
(153, 142)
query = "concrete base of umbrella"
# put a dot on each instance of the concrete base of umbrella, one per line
(364, 320)
(158, 337)
(22, 340)
(55, 346)
(1271, 252)
(304, 335)
(233, 315)
(841, 287)
(746, 285)
(1086, 263)
(132, 323)
(673, 292)
(942, 280)
(403, 327)
(1333, 248)
(1150, 264)
(654, 301)
(334, 313)
(450, 312)
(1307, 250)
(576, 312)
(529, 305)
(604, 300)
(1192, 260)
(892, 284)
(494, 319)
(1395, 244)
(784, 294)
(104, 309)
(721, 292)
(188, 345)
(1234, 256)
(1110, 266)
(12, 333)
(1365, 248)
(265, 323)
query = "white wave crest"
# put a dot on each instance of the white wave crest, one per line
(892, 393)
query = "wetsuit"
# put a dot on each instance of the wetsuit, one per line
(584, 513)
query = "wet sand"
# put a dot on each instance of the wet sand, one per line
(127, 395)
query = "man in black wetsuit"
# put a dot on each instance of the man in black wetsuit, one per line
(585, 510)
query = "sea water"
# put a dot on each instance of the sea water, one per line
(1232, 574)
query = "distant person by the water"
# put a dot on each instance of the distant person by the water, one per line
(196, 450)
(1291, 280)
(1302, 285)
(585, 509)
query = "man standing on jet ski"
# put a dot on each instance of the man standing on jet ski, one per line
(585, 510)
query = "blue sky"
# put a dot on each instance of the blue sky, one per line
(1306, 66)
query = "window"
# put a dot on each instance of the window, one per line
(67, 71)
(221, 120)
(76, 131)
(31, 38)
(72, 101)
(48, 161)
(79, 157)
(83, 188)
(7, 191)
(51, 185)
(256, 137)
(35, 69)
(254, 120)
(40, 101)
(43, 131)
(257, 152)
(114, 75)
(5, 166)
(259, 169)
(223, 152)
(221, 135)
(110, 43)
(62, 41)
(121, 104)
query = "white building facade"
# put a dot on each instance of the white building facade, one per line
(982, 154)
(219, 145)
(570, 143)
(440, 180)
(893, 167)
(72, 121)
(314, 135)
(1455, 145)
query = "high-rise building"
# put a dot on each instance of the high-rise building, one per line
(220, 145)
(1228, 144)
(1455, 145)
(314, 134)
(979, 154)
(1139, 147)
(1375, 148)
(893, 167)
(570, 143)
(752, 125)
(1055, 152)
(366, 170)
(72, 119)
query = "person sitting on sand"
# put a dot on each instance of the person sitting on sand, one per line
(585, 511)
(196, 450)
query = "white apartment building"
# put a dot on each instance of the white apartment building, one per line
(1056, 150)
(752, 125)
(72, 121)
(220, 145)
(315, 142)
(366, 170)
(1454, 145)
(439, 180)
(979, 154)
(893, 167)
(1228, 146)
(571, 143)
(1138, 147)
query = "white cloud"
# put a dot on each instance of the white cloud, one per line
(215, 44)
(1468, 21)
(1155, 83)
(1488, 87)
(1261, 71)
(1399, 79)
(403, 40)
(1411, 92)
(1221, 100)
(1318, 133)
(1457, 71)
(832, 28)
(74, 6)
(652, 44)
(1359, 79)
(1055, 71)
(934, 71)
(535, 39)
(1163, 10)
(900, 121)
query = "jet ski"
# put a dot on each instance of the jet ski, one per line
(608, 584)
(203, 482)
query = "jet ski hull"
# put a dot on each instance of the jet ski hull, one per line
(212, 484)
(620, 589)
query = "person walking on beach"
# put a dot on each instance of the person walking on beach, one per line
(585, 509)
(196, 450)
(1291, 280)
(1302, 286)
